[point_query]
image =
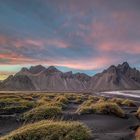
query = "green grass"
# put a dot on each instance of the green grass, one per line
(50, 130)
(41, 112)
(13, 109)
(57, 100)
(11, 105)
(20, 102)
(75, 98)
(8, 101)
(101, 108)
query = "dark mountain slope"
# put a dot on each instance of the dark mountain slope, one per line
(119, 77)
(49, 79)
(18, 82)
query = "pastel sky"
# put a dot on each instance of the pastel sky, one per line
(78, 35)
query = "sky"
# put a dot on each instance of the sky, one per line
(78, 35)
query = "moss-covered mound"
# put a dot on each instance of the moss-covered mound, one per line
(101, 108)
(41, 112)
(50, 130)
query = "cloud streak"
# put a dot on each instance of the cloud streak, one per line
(76, 34)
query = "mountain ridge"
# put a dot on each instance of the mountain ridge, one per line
(39, 78)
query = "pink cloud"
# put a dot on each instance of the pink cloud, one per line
(130, 47)
(29, 42)
(85, 64)
(4, 40)
(39, 43)
(100, 31)
(35, 42)
(14, 58)
(96, 63)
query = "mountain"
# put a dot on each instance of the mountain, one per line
(45, 79)
(119, 77)
(19, 82)
(39, 78)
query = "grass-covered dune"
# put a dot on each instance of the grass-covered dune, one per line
(39, 106)
(57, 100)
(41, 112)
(129, 103)
(50, 130)
(10, 104)
(101, 108)
(123, 102)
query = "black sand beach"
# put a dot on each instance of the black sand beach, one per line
(103, 127)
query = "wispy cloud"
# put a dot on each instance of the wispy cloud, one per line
(76, 34)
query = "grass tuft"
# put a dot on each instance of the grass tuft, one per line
(62, 99)
(116, 100)
(11, 105)
(129, 103)
(50, 130)
(41, 112)
(101, 108)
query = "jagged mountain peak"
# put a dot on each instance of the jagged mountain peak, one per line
(125, 63)
(37, 69)
(68, 73)
(24, 69)
(116, 78)
(52, 69)
(51, 79)
(112, 69)
(82, 76)
(123, 67)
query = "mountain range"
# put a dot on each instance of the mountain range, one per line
(39, 78)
